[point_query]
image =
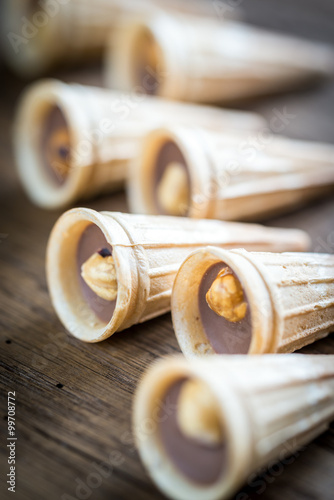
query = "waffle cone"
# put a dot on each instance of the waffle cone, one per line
(207, 60)
(236, 176)
(62, 32)
(290, 296)
(73, 31)
(106, 129)
(264, 405)
(148, 251)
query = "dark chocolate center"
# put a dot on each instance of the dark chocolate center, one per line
(168, 154)
(92, 241)
(202, 464)
(224, 336)
(55, 146)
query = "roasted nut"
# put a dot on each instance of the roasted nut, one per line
(58, 151)
(99, 274)
(226, 298)
(198, 414)
(173, 190)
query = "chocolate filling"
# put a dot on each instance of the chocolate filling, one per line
(200, 463)
(55, 146)
(224, 336)
(93, 240)
(168, 154)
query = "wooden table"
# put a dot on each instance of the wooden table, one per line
(73, 401)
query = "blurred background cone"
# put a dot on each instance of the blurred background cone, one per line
(40, 34)
(229, 177)
(209, 60)
(73, 141)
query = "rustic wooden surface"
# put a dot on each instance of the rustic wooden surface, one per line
(73, 401)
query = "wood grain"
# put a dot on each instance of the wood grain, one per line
(74, 400)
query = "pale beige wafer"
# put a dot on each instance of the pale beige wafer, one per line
(147, 252)
(211, 60)
(268, 408)
(235, 176)
(105, 130)
(40, 35)
(290, 298)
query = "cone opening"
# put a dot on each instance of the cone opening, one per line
(182, 423)
(183, 437)
(216, 314)
(55, 146)
(145, 61)
(82, 265)
(168, 191)
(52, 157)
(44, 146)
(171, 181)
(224, 310)
(92, 242)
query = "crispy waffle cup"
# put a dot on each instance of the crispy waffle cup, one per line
(236, 176)
(147, 252)
(211, 60)
(105, 130)
(290, 297)
(269, 408)
(38, 37)
(61, 31)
